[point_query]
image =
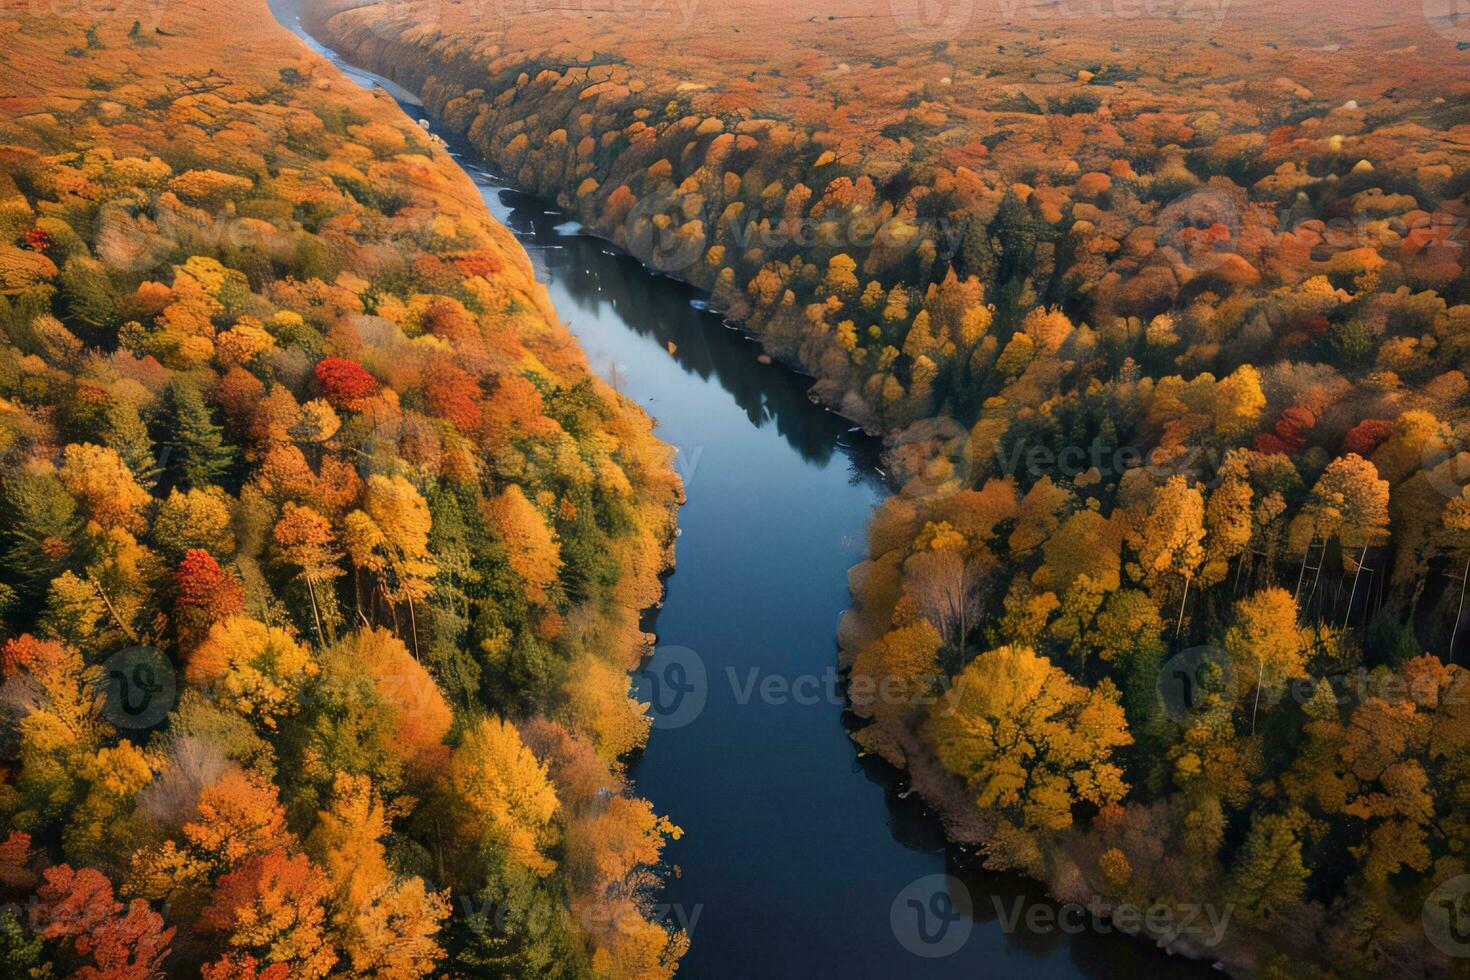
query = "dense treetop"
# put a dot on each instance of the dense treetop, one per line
(282, 404)
(1165, 313)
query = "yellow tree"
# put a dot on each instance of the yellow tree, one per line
(1349, 504)
(198, 518)
(841, 279)
(907, 653)
(1266, 644)
(1238, 404)
(507, 793)
(255, 669)
(1228, 527)
(105, 487)
(58, 723)
(391, 533)
(385, 926)
(530, 544)
(1028, 741)
(1170, 537)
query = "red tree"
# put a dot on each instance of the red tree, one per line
(205, 594)
(345, 383)
(452, 394)
(1364, 437)
(78, 908)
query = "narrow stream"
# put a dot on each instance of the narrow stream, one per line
(796, 853)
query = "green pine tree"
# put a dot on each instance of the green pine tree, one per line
(40, 534)
(198, 455)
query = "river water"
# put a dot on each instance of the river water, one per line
(799, 858)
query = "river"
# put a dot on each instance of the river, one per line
(799, 859)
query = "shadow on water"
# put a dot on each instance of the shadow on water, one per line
(595, 272)
(799, 856)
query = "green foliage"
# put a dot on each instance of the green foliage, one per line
(197, 454)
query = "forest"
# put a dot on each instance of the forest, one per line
(1165, 325)
(323, 552)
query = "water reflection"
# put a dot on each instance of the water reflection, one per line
(793, 861)
(599, 277)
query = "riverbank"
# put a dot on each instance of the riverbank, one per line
(1100, 571)
(962, 822)
(329, 463)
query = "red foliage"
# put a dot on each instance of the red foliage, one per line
(132, 946)
(345, 383)
(550, 626)
(78, 907)
(28, 655)
(479, 263)
(37, 240)
(15, 854)
(452, 394)
(1268, 444)
(204, 594)
(1293, 425)
(74, 903)
(285, 893)
(1364, 437)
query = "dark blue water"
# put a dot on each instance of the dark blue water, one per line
(798, 858)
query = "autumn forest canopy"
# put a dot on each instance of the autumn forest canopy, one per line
(280, 403)
(1163, 319)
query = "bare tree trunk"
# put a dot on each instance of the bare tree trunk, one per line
(315, 614)
(1459, 612)
(1303, 573)
(392, 607)
(1354, 593)
(112, 610)
(1317, 576)
(413, 626)
(1180, 625)
(1260, 677)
